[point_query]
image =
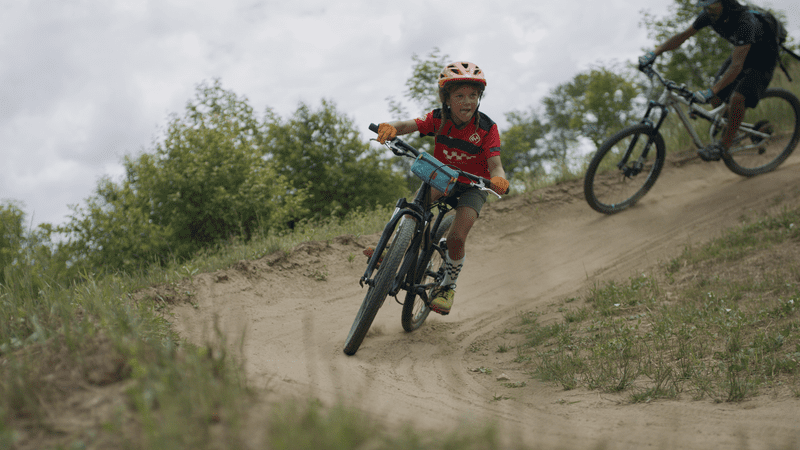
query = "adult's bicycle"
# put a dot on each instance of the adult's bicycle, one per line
(414, 259)
(628, 163)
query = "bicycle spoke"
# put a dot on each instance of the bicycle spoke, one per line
(768, 134)
(611, 186)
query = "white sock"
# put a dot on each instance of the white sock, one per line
(451, 270)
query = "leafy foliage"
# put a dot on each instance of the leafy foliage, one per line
(11, 235)
(422, 85)
(211, 179)
(320, 153)
(208, 181)
(520, 143)
(593, 105)
(222, 173)
(27, 259)
(590, 106)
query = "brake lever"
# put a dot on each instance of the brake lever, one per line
(392, 146)
(482, 186)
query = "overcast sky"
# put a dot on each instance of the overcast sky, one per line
(85, 82)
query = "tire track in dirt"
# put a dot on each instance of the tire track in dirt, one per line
(525, 253)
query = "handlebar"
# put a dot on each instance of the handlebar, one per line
(401, 148)
(672, 86)
(396, 145)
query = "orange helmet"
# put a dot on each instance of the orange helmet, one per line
(461, 71)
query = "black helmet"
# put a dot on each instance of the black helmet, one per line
(728, 4)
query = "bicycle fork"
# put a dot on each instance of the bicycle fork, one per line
(636, 167)
(402, 209)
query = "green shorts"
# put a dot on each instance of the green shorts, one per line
(470, 196)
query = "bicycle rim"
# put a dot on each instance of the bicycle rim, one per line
(387, 272)
(415, 311)
(609, 188)
(768, 134)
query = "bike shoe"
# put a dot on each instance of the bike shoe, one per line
(369, 251)
(712, 152)
(443, 297)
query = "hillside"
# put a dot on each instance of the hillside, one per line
(288, 316)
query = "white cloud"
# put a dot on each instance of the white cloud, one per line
(83, 83)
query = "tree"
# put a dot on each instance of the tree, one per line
(422, 86)
(11, 236)
(590, 106)
(207, 182)
(319, 152)
(522, 143)
(593, 105)
(115, 230)
(28, 258)
(211, 179)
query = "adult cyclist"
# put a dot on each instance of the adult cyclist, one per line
(743, 77)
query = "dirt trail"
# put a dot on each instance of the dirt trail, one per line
(525, 253)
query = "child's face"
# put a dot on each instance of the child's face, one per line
(463, 102)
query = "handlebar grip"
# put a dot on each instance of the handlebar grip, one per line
(492, 187)
(373, 128)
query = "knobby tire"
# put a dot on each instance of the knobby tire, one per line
(385, 276)
(415, 311)
(606, 187)
(779, 112)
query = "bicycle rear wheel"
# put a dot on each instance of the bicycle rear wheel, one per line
(610, 186)
(429, 270)
(387, 272)
(768, 134)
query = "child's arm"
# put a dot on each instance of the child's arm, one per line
(497, 174)
(496, 167)
(405, 126)
(390, 130)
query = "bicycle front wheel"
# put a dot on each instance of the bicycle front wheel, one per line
(429, 270)
(767, 136)
(387, 273)
(624, 168)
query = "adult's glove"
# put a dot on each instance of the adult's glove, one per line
(499, 185)
(386, 132)
(703, 96)
(646, 59)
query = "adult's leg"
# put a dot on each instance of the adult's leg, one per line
(736, 108)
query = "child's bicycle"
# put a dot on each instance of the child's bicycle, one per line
(626, 165)
(414, 260)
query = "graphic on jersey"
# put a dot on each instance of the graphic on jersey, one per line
(458, 156)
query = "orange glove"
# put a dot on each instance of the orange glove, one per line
(500, 185)
(386, 132)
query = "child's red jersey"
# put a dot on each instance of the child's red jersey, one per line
(467, 149)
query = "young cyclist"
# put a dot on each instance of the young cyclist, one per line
(467, 140)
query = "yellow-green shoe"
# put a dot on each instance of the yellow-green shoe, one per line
(442, 299)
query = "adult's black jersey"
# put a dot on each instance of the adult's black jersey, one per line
(742, 27)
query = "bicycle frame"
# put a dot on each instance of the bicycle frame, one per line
(421, 210)
(681, 100)
(402, 208)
